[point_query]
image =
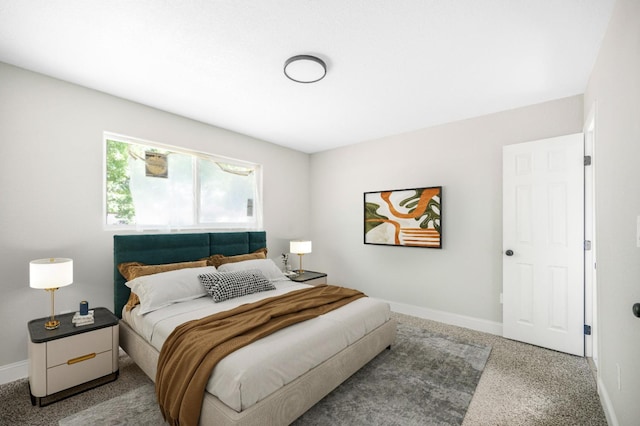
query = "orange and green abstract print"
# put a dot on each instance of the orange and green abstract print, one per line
(406, 217)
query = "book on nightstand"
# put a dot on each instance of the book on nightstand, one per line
(79, 320)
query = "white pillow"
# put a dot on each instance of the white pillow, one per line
(268, 268)
(159, 290)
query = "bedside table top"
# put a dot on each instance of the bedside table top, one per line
(307, 276)
(38, 334)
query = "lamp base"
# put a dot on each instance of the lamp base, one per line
(52, 324)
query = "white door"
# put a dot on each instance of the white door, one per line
(543, 243)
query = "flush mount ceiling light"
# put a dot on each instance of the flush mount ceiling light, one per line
(305, 69)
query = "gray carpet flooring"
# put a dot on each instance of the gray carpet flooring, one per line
(521, 385)
(138, 407)
(425, 379)
(525, 385)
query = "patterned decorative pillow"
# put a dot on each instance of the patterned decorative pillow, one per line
(229, 285)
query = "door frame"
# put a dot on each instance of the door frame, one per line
(590, 282)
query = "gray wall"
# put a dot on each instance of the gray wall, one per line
(614, 87)
(51, 165)
(465, 158)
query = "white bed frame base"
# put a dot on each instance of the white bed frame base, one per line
(286, 404)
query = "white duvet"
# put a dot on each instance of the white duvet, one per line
(252, 373)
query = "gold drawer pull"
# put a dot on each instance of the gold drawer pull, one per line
(81, 358)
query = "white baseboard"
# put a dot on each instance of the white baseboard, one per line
(477, 324)
(13, 372)
(607, 407)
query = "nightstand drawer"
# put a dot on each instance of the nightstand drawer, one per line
(60, 351)
(66, 375)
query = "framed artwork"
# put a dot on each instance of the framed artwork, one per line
(404, 217)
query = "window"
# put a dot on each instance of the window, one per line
(153, 186)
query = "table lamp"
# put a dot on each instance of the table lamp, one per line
(50, 274)
(300, 248)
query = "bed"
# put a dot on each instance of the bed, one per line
(290, 400)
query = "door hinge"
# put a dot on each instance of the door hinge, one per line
(587, 330)
(587, 160)
(587, 245)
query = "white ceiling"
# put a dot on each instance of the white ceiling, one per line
(393, 66)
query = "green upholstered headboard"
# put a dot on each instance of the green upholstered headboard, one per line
(155, 249)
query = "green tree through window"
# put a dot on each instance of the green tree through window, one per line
(120, 206)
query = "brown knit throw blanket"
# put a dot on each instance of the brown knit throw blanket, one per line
(193, 349)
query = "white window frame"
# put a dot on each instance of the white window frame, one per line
(257, 201)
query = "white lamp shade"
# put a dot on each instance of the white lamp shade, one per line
(50, 273)
(300, 247)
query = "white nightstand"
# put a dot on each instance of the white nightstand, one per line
(71, 359)
(310, 277)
